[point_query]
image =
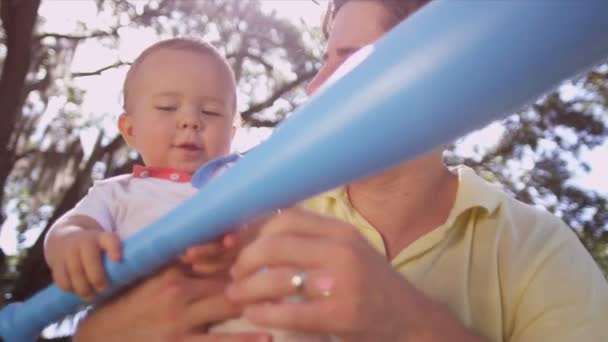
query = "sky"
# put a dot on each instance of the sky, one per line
(91, 56)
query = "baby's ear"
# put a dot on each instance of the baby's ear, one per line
(125, 126)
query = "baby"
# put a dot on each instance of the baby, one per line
(180, 105)
(179, 100)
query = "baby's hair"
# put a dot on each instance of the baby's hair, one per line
(184, 44)
(400, 9)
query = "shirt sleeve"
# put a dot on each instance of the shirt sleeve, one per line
(562, 296)
(97, 204)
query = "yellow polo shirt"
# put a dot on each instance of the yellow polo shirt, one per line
(506, 270)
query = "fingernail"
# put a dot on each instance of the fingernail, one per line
(230, 241)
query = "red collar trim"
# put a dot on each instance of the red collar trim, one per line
(140, 171)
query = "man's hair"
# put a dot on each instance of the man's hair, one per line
(400, 9)
(182, 44)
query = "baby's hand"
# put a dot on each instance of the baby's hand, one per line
(212, 257)
(79, 267)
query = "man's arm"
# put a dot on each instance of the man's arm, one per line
(170, 306)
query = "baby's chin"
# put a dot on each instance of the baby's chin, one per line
(187, 169)
(190, 167)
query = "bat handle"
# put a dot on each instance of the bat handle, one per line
(13, 330)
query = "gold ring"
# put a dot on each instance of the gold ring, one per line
(298, 281)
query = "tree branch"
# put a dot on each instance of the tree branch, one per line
(96, 34)
(100, 70)
(278, 93)
(256, 58)
(149, 13)
(262, 123)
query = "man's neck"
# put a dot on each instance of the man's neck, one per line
(407, 202)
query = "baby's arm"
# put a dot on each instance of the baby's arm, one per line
(73, 249)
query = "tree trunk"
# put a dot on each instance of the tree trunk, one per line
(18, 20)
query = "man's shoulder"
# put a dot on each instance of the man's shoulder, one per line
(519, 230)
(530, 222)
(503, 210)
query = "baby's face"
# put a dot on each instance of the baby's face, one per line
(180, 111)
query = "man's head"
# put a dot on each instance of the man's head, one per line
(180, 104)
(397, 10)
(350, 25)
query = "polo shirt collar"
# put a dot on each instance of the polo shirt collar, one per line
(140, 171)
(473, 192)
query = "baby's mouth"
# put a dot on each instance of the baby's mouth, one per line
(189, 147)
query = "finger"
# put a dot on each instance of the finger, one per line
(210, 268)
(314, 316)
(61, 278)
(229, 256)
(220, 263)
(230, 240)
(277, 283)
(283, 250)
(92, 265)
(209, 310)
(230, 337)
(191, 289)
(111, 244)
(77, 277)
(204, 252)
(175, 282)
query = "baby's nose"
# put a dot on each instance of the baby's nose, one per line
(190, 123)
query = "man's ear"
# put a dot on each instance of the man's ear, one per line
(125, 126)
